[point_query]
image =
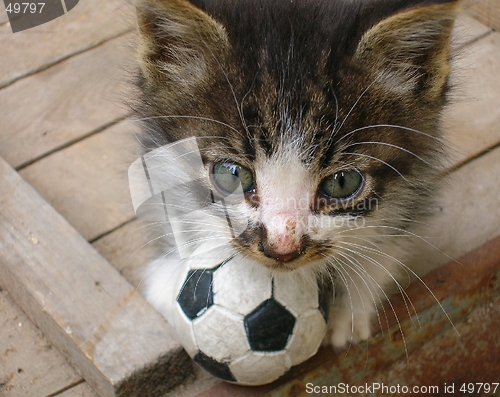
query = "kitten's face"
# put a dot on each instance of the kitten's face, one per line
(327, 112)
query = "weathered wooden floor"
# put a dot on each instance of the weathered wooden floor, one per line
(64, 128)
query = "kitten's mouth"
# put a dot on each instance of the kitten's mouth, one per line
(281, 266)
(282, 260)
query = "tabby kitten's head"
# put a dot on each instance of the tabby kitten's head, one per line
(327, 112)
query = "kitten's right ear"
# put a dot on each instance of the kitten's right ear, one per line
(410, 49)
(178, 43)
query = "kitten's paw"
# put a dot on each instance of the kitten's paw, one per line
(347, 328)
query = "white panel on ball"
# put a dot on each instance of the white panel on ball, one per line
(260, 368)
(296, 293)
(184, 329)
(307, 337)
(220, 334)
(241, 286)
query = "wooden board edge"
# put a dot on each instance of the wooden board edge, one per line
(487, 11)
(95, 351)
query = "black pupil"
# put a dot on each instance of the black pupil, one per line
(341, 181)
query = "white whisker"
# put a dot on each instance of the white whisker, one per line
(381, 161)
(393, 146)
(191, 117)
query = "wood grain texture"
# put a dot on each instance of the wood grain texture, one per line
(89, 24)
(468, 215)
(3, 15)
(487, 11)
(81, 390)
(129, 249)
(473, 117)
(87, 182)
(120, 345)
(29, 365)
(66, 102)
(467, 30)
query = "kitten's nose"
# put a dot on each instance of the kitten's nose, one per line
(269, 252)
(281, 239)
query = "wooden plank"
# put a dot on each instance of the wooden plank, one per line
(470, 213)
(472, 118)
(29, 365)
(120, 345)
(87, 182)
(66, 102)
(487, 11)
(129, 249)
(82, 390)
(469, 359)
(467, 30)
(89, 24)
(3, 14)
(467, 214)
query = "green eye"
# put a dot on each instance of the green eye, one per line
(342, 185)
(228, 177)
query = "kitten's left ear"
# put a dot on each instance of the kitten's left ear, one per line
(178, 43)
(409, 52)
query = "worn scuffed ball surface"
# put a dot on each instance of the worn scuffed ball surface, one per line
(243, 324)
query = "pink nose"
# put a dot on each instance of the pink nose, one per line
(279, 255)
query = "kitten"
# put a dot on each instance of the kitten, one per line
(325, 112)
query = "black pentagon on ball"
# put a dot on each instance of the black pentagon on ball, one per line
(214, 367)
(196, 294)
(269, 326)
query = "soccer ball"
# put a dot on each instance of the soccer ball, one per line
(245, 325)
